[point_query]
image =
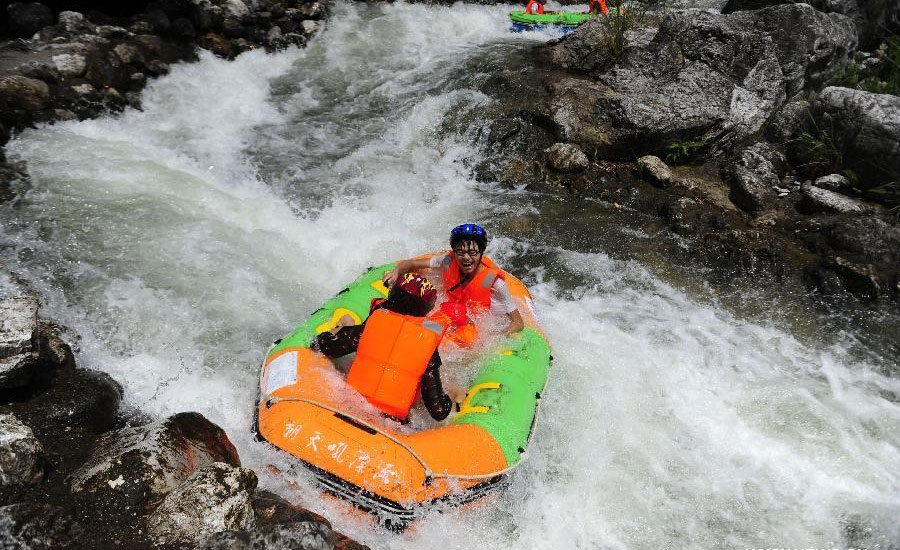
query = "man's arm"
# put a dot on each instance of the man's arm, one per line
(516, 323)
(404, 266)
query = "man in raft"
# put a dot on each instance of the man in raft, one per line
(473, 283)
(396, 350)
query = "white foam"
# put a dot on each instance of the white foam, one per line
(180, 240)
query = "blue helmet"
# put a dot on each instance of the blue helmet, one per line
(469, 232)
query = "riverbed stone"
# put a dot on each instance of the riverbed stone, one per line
(654, 170)
(867, 237)
(817, 199)
(833, 182)
(29, 526)
(566, 157)
(133, 466)
(216, 498)
(309, 26)
(21, 454)
(753, 177)
(18, 354)
(71, 21)
(70, 65)
(23, 93)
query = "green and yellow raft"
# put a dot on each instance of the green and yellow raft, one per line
(365, 458)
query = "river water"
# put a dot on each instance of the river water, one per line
(178, 241)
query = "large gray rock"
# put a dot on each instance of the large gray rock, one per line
(133, 466)
(753, 176)
(716, 79)
(305, 535)
(38, 527)
(21, 454)
(873, 18)
(866, 127)
(27, 18)
(216, 498)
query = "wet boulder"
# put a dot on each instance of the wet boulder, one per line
(21, 455)
(272, 512)
(566, 157)
(305, 535)
(21, 97)
(753, 176)
(38, 527)
(27, 18)
(19, 357)
(654, 170)
(817, 199)
(78, 403)
(214, 499)
(866, 128)
(704, 77)
(134, 466)
(868, 238)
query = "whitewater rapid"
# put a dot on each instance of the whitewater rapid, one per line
(176, 242)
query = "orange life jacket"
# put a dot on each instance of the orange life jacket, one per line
(534, 7)
(475, 293)
(393, 353)
(597, 6)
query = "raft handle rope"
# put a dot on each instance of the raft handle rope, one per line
(428, 473)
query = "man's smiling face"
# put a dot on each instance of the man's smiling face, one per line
(468, 255)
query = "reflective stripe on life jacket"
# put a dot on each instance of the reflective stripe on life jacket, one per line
(475, 292)
(534, 7)
(393, 353)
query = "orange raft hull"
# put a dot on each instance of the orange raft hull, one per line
(304, 410)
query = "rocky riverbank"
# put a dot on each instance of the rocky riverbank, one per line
(731, 129)
(61, 64)
(76, 473)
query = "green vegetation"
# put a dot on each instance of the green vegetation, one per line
(625, 16)
(817, 153)
(884, 78)
(682, 152)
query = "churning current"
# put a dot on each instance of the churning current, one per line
(178, 241)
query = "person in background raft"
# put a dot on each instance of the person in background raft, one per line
(472, 282)
(396, 350)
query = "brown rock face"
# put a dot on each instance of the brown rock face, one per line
(131, 467)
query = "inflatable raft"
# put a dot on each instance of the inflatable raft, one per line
(307, 410)
(565, 21)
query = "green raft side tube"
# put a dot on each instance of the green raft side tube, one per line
(357, 298)
(568, 19)
(503, 399)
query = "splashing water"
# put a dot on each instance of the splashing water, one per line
(179, 240)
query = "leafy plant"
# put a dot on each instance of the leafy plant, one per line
(623, 17)
(681, 152)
